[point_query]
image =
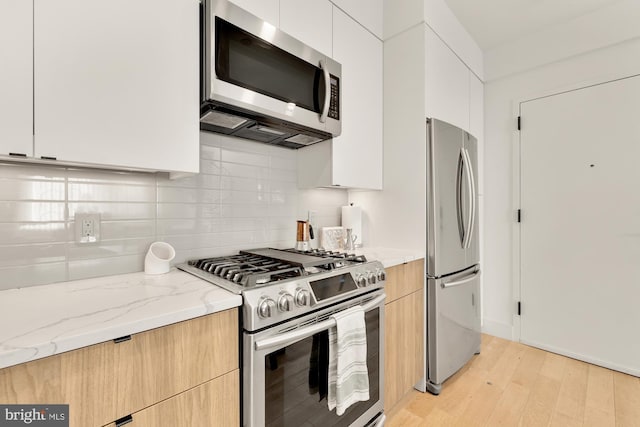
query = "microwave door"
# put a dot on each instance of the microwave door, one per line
(268, 72)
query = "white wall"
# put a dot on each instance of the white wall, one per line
(501, 97)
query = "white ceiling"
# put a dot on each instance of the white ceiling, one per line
(494, 22)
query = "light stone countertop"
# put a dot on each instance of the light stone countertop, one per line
(389, 256)
(40, 321)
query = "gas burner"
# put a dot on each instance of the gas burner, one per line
(331, 254)
(248, 270)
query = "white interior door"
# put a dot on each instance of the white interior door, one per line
(580, 230)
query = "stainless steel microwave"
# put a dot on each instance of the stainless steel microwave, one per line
(262, 84)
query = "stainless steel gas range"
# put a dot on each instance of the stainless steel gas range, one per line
(288, 299)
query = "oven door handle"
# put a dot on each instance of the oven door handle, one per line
(298, 334)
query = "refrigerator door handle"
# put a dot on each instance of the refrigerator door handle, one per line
(461, 168)
(472, 201)
(460, 282)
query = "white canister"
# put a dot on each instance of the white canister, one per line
(158, 258)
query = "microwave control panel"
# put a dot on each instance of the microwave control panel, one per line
(334, 103)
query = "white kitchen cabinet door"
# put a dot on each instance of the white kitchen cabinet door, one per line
(117, 83)
(367, 12)
(353, 159)
(267, 10)
(16, 77)
(309, 21)
(357, 152)
(447, 83)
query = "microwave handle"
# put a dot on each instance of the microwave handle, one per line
(327, 92)
(297, 334)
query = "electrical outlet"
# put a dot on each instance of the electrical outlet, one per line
(87, 228)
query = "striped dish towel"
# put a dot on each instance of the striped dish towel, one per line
(348, 375)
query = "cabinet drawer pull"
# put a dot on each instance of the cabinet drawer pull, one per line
(124, 420)
(17, 155)
(122, 339)
(48, 158)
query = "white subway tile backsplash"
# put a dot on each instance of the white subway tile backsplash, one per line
(13, 189)
(83, 269)
(187, 195)
(82, 191)
(15, 255)
(245, 196)
(31, 275)
(32, 232)
(32, 211)
(114, 211)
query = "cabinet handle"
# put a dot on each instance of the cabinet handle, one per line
(17, 155)
(124, 420)
(48, 158)
(122, 339)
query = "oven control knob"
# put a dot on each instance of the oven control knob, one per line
(382, 276)
(285, 302)
(372, 278)
(266, 307)
(362, 281)
(302, 297)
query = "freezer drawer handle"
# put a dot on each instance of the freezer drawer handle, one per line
(460, 282)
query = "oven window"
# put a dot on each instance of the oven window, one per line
(250, 62)
(296, 381)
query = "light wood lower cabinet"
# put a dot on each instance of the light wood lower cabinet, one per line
(404, 331)
(107, 381)
(212, 404)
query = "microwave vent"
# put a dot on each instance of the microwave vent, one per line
(303, 139)
(227, 121)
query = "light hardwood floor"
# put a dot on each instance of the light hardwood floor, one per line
(511, 384)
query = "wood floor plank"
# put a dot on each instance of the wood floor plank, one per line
(541, 403)
(573, 392)
(554, 366)
(502, 373)
(599, 405)
(404, 418)
(627, 400)
(529, 367)
(562, 420)
(508, 411)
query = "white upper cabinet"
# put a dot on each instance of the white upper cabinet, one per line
(309, 21)
(357, 152)
(476, 107)
(116, 83)
(367, 12)
(353, 159)
(16, 77)
(267, 10)
(447, 83)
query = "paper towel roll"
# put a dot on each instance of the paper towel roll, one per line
(352, 218)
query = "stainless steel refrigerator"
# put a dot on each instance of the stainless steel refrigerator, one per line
(453, 253)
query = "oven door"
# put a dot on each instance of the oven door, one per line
(284, 376)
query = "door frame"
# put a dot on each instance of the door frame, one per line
(516, 181)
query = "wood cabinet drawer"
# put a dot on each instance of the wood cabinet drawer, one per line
(215, 403)
(106, 381)
(163, 362)
(404, 279)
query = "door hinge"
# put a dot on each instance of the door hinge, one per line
(519, 123)
(519, 308)
(519, 215)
